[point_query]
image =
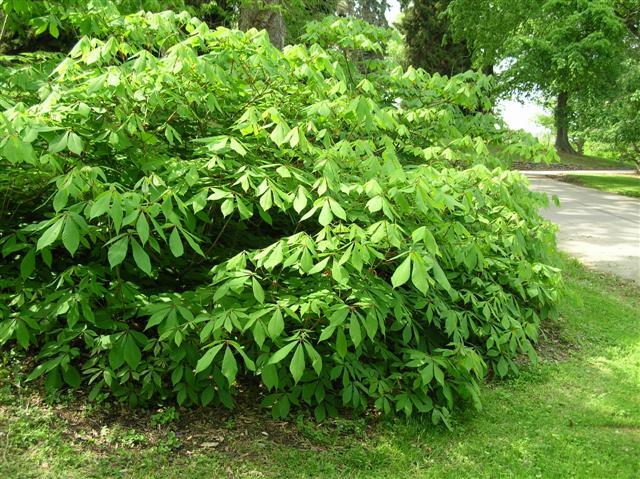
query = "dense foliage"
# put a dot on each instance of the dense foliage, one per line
(429, 41)
(192, 214)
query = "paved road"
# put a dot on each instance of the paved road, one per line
(600, 229)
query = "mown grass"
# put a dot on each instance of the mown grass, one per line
(575, 414)
(592, 162)
(576, 162)
(621, 185)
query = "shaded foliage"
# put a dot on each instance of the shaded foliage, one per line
(429, 43)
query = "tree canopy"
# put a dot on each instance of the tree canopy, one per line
(429, 43)
(560, 48)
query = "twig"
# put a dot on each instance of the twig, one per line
(4, 24)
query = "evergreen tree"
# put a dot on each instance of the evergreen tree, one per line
(429, 44)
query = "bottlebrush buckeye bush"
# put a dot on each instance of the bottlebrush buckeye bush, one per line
(198, 214)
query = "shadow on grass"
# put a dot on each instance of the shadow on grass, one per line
(575, 414)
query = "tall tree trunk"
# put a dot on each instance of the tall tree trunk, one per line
(264, 15)
(562, 124)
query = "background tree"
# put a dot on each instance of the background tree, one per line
(429, 44)
(560, 48)
(371, 11)
(612, 123)
(267, 15)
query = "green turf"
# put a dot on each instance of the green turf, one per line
(622, 185)
(575, 414)
(592, 162)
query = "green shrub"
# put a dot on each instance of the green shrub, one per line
(199, 215)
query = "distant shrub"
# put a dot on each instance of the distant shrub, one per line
(200, 214)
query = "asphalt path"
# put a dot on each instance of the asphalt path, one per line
(600, 229)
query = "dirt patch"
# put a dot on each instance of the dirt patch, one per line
(111, 428)
(552, 346)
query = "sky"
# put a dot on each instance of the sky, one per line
(519, 116)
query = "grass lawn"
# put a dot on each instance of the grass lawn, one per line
(578, 162)
(592, 162)
(622, 185)
(575, 414)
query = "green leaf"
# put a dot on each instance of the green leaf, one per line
(28, 264)
(375, 204)
(53, 29)
(279, 134)
(59, 144)
(282, 353)
(175, 243)
(101, 205)
(193, 244)
(502, 367)
(116, 355)
(341, 343)
(71, 376)
(419, 276)
(269, 375)
(229, 366)
(70, 236)
(440, 277)
(236, 146)
(438, 374)
(297, 364)
(259, 333)
(50, 235)
(320, 266)
(300, 200)
(325, 215)
(258, 292)
(142, 227)
(118, 251)
(60, 199)
(141, 257)
(74, 143)
(132, 353)
(276, 324)
(207, 358)
(207, 395)
(294, 137)
(402, 273)
(338, 210)
(316, 359)
(18, 151)
(427, 374)
(22, 334)
(354, 330)
(227, 207)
